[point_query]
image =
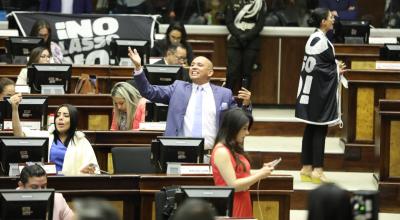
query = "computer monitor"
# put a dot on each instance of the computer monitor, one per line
(26, 204)
(119, 50)
(159, 74)
(21, 150)
(49, 74)
(390, 52)
(32, 112)
(352, 32)
(220, 197)
(156, 112)
(176, 149)
(19, 48)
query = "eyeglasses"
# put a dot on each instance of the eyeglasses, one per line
(183, 59)
(44, 56)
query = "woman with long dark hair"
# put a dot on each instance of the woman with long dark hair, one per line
(38, 55)
(175, 34)
(41, 28)
(318, 96)
(230, 164)
(68, 148)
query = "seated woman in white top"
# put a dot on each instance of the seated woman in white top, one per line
(38, 55)
(41, 28)
(68, 148)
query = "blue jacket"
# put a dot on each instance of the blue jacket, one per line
(177, 97)
(80, 6)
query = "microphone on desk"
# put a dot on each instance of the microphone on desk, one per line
(97, 166)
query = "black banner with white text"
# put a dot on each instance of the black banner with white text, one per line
(85, 38)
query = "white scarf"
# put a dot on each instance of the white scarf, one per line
(248, 11)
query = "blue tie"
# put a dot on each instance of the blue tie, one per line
(197, 119)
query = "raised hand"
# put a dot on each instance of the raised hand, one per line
(135, 57)
(245, 95)
(15, 100)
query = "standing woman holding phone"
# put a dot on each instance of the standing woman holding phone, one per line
(318, 96)
(230, 164)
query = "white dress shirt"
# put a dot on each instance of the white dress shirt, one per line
(209, 122)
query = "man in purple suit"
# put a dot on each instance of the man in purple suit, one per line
(194, 108)
(68, 7)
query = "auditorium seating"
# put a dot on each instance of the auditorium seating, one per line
(272, 85)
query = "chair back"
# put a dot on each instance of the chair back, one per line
(132, 160)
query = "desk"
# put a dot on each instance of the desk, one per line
(98, 70)
(104, 141)
(350, 53)
(137, 192)
(366, 88)
(388, 153)
(274, 193)
(123, 190)
(106, 76)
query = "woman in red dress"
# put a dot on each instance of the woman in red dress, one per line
(230, 164)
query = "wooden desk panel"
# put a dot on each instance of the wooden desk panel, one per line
(87, 111)
(365, 90)
(106, 76)
(387, 161)
(123, 188)
(98, 70)
(77, 99)
(272, 189)
(137, 192)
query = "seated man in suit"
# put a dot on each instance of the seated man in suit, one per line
(34, 177)
(187, 115)
(176, 54)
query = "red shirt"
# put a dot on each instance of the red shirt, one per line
(242, 202)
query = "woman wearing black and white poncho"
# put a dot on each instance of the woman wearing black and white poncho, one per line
(318, 97)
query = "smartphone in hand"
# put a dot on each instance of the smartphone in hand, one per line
(245, 83)
(276, 162)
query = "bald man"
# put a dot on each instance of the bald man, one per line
(194, 108)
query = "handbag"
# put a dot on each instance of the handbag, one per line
(87, 85)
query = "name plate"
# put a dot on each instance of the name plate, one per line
(195, 169)
(152, 126)
(188, 169)
(24, 89)
(33, 125)
(50, 168)
(387, 65)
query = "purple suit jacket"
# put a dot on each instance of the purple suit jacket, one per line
(80, 6)
(177, 97)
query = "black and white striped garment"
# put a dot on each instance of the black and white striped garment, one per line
(318, 97)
